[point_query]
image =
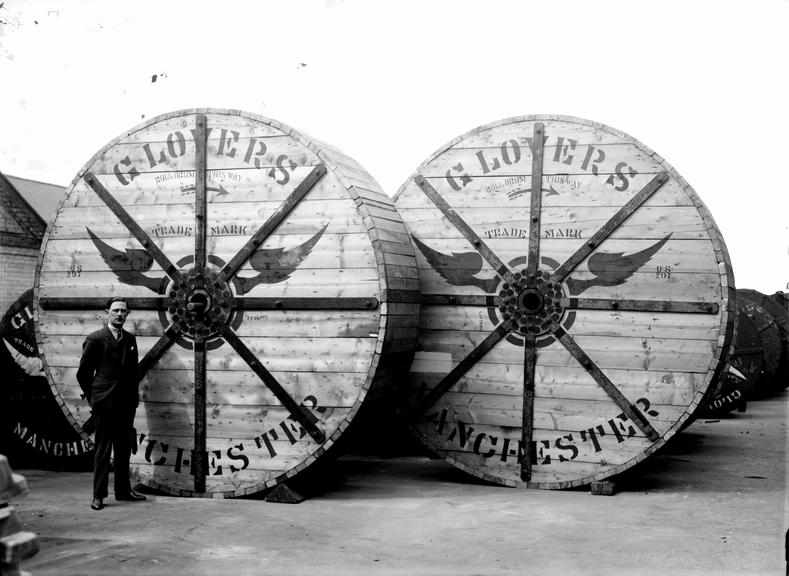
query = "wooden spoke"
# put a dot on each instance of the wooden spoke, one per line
(271, 224)
(201, 136)
(461, 299)
(484, 250)
(300, 413)
(99, 303)
(200, 455)
(255, 303)
(640, 305)
(527, 425)
(458, 371)
(607, 229)
(602, 380)
(133, 227)
(536, 199)
(159, 348)
(532, 263)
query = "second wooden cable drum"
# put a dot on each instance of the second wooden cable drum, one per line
(577, 301)
(272, 287)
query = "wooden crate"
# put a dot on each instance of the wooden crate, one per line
(273, 291)
(577, 301)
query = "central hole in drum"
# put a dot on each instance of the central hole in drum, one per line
(530, 301)
(199, 302)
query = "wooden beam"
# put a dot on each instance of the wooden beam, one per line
(640, 305)
(263, 303)
(200, 455)
(201, 136)
(133, 227)
(466, 230)
(460, 299)
(608, 228)
(464, 366)
(527, 420)
(100, 303)
(300, 413)
(538, 146)
(602, 380)
(271, 224)
(156, 351)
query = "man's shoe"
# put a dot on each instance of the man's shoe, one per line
(132, 496)
(97, 504)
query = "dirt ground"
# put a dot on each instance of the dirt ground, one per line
(714, 501)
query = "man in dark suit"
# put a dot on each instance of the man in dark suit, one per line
(107, 375)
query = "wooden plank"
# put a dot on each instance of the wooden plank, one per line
(284, 323)
(465, 230)
(304, 282)
(280, 156)
(660, 354)
(675, 257)
(613, 223)
(485, 380)
(281, 354)
(282, 395)
(337, 389)
(559, 191)
(74, 257)
(472, 358)
(159, 348)
(598, 160)
(463, 317)
(133, 227)
(274, 220)
(610, 388)
(223, 187)
(559, 222)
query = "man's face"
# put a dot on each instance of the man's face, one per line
(117, 314)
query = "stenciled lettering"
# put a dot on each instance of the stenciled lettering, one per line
(230, 459)
(561, 449)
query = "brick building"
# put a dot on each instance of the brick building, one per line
(26, 207)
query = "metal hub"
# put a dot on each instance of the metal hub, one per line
(199, 304)
(531, 303)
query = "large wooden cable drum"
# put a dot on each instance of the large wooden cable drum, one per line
(577, 301)
(780, 314)
(272, 286)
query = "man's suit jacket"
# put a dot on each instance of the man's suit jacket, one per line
(107, 370)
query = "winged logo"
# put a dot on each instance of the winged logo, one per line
(277, 264)
(608, 268)
(459, 269)
(613, 269)
(272, 264)
(129, 266)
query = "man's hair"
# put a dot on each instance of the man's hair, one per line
(116, 299)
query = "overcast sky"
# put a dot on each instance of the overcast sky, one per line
(703, 83)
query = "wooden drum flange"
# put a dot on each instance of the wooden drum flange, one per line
(272, 285)
(577, 301)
